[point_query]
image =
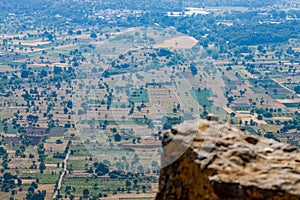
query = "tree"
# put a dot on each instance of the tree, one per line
(101, 169)
(232, 114)
(93, 35)
(140, 169)
(42, 167)
(86, 193)
(70, 104)
(271, 136)
(230, 99)
(58, 141)
(297, 89)
(34, 185)
(57, 70)
(118, 137)
(33, 118)
(19, 182)
(8, 182)
(193, 68)
(90, 170)
(94, 70)
(135, 182)
(154, 165)
(259, 117)
(7, 176)
(144, 188)
(36, 196)
(24, 74)
(70, 32)
(167, 125)
(43, 73)
(174, 110)
(128, 183)
(268, 115)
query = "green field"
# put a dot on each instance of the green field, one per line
(10, 129)
(202, 97)
(94, 186)
(292, 105)
(48, 178)
(138, 96)
(250, 129)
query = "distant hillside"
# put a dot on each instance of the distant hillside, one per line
(244, 3)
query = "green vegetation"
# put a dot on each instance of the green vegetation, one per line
(202, 97)
(292, 105)
(138, 96)
(250, 130)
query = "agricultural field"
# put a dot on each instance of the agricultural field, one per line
(102, 117)
(85, 100)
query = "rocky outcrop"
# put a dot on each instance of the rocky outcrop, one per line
(207, 159)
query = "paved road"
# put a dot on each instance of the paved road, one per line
(62, 175)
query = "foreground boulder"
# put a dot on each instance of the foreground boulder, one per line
(205, 159)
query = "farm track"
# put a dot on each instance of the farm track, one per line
(61, 176)
(283, 86)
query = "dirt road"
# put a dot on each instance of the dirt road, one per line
(62, 175)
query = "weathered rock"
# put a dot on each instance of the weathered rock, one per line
(210, 160)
